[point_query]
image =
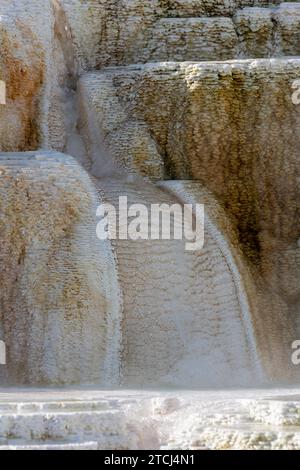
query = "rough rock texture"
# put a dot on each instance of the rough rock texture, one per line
(213, 122)
(33, 68)
(186, 316)
(186, 39)
(108, 130)
(126, 32)
(234, 126)
(59, 298)
(269, 323)
(269, 32)
(167, 420)
(70, 313)
(138, 313)
(23, 68)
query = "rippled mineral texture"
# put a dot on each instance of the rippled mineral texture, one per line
(170, 90)
(137, 31)
(57, 282)
(234, 127)
(178, 304)
(32, 66)
(161, 101)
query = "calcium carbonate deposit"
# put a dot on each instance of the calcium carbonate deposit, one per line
(162, 102)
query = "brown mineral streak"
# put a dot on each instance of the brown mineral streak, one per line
(24, 85)
(171, 105)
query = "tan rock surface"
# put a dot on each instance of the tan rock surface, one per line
(230, 125)
(186, 314)
(134, 31)
(33, 68)
(234, 127)
(59, 298)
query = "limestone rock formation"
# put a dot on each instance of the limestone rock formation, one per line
(127, 32)
(36, 75)
(232, 126)
(186, 315)
(23, 69)
(161, 101)
(157, 419)
(71, 313)
(59, 305)
(268, 32)
(140, 92)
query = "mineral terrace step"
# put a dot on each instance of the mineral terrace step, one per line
(159, 8)
(183, 8)
(180, 30)
(266, 32)
(253, 32)
(54, 406)
(244, 419)
(142, 100)
(45, 159)
(188, 39)
(60, 425)
(51, 446)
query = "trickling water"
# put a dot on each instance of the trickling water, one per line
(60, 300)
(186, 320)
(172, 317)
(62, 33)
(185, 317)
(89, 150)
(122, 314)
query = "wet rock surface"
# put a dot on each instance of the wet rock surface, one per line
(215, 107)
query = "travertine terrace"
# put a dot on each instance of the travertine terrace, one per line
(175, 102)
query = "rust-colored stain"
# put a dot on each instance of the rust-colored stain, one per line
(24, 80)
